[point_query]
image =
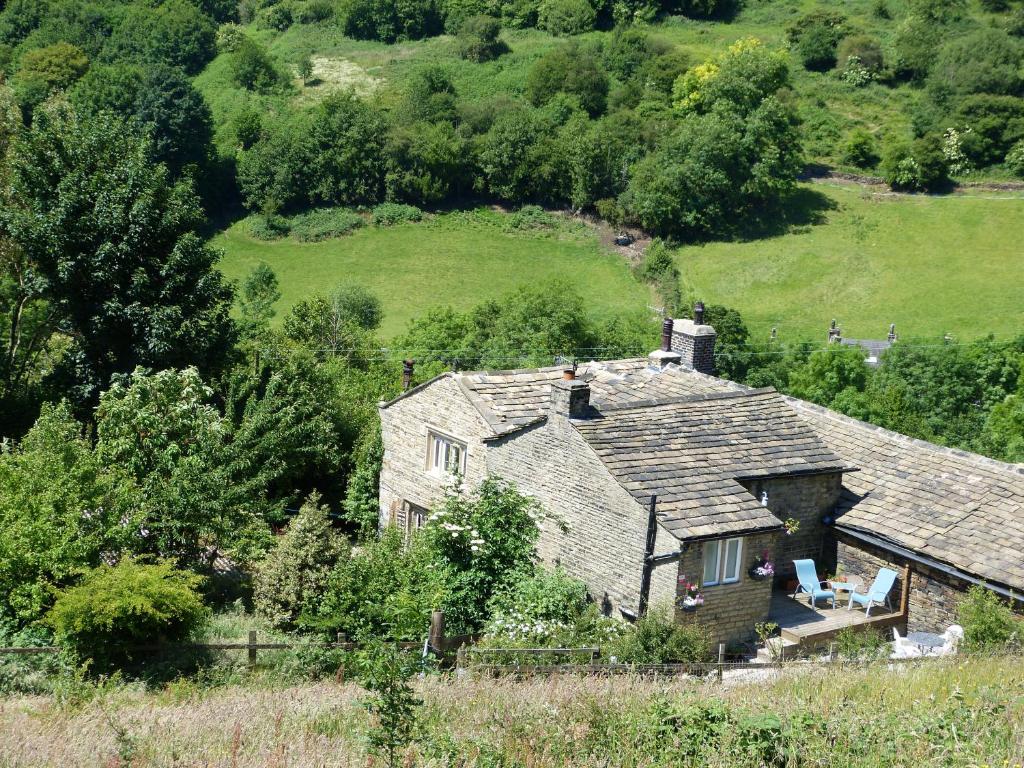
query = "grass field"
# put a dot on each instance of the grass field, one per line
(964, 713)
(929, 264)
(459, 259)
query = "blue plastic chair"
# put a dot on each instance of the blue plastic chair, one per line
(877, 593)
(807, 575)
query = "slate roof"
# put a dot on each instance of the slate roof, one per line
(950, 506)
(691, 452)
(511, 400)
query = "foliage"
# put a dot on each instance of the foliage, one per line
(569, 69)
(319, 224)
(159, 99)
(60, 508)
(295, 572)
(744, 76)
(988, 622)
(986, 61)
(865, 49)
(861, 150)
(385, 589)
(175, 32)
(1015, 159)
(114, 608)
(389, 214)
(816, 35)
(385, 671)
(390, 20)
(252, 67)
(52, 68)
(861, 644)
(537, 605)
(828, 373)
(362, 495)
(112, 238)
(256, 301)
(477, 39)
(566, 17)
(481, 543)
(658, 639)
(920, 166)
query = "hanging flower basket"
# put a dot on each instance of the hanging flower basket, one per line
(762, 569)
(690, 598)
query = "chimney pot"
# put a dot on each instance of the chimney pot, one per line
(666, 335)
(698, 313)
(569, 374)
(407, 371)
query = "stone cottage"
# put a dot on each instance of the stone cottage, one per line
(729, 475)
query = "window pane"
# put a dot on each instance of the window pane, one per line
(437, 453)
(732, 560)
(455, 459)
(711, 562)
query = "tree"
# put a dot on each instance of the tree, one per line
(260, 292)
(159, 99)
(744, 76)
(297, 569)
(477, 39)
(346, 150)
(362, 506)
(427, 163)
(112, 242)
(339, 324)
(816, 36)
(504, 153)
(566, 17)
(176, 32)
(1003, 435)
(60, 509)
(386, 670)
(568, 69)
(429, 96)
(306, 69)
(827, 373)
(985, 61)
(45, 70)
(252, 67)
(390, 20)
(920, 166)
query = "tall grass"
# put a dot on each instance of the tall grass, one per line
(960, 713)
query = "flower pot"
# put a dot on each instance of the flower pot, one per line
(755, 575)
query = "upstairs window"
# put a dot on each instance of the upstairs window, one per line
(446, 456)
(722, 561)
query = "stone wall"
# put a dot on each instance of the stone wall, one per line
(607, 527)
(933, 594)
(695, 345)
(730, 611)
(807, 499)
(405, 426)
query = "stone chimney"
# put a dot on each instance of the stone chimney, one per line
(407, 371)
(835, 333)
(664, 356)
(570, 398)
(695, 342)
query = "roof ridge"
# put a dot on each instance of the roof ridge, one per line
(546, 368)
(900, 437)
(693, 398)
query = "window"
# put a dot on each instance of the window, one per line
(722, 561)
(447, 456)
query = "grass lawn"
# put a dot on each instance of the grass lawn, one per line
(929, 264)
(454, 258)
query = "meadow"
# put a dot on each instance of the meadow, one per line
(458, 258)
(931, 264)
(961, 713)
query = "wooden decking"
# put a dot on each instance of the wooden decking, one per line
(809, 627)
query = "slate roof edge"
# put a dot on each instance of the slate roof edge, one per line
(976, 458)
(706, 396)
(412, 390)
(911, 553)
(751, 531)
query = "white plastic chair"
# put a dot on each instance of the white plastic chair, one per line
(903, 648)
(952, 636)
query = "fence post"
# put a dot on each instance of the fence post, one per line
(831, 651)
(721, 660)
(252, 647)
(436, 636)
(460, 657)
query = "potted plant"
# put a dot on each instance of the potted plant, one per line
(690, 598)
(762, 569)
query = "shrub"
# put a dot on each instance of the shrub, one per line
(252, 67)
(268, 226)
(548, 597)
(477, 39)
(388, 214)
(658, 639)
(324, 224)
(860, 645)
(860, 149)
(815, 37)
(390, 20)
(865, 48)
(532, 217)
(568, 69)
(277, 17)
(314, 12)
(988, 622)
(1015, 159)
(230, 37)
(916, 167)
(116, 608)
(298, 567)
(566, 17)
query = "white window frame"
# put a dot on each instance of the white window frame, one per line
(439, 452)
(720, 548)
